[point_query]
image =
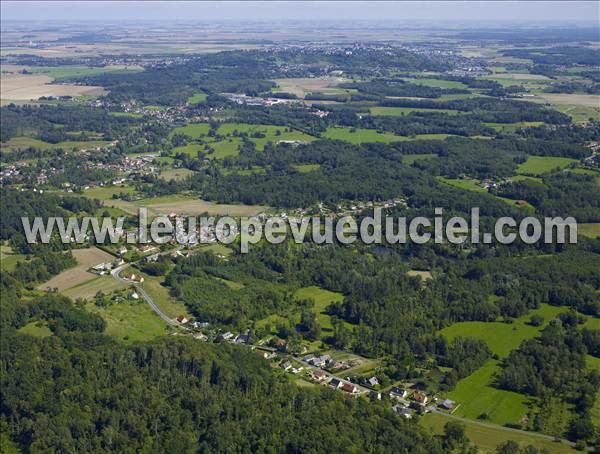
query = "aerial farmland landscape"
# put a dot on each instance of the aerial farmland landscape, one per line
(441, 338)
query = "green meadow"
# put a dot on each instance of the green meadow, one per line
(394, 111)
(502, 337)
(228, 141)
(538, 165)
(439, 83)
(71, 72)
(8, 258)
(130, 321)
(487, 437)
(26, 142)
(36, 329)
(475, 393)
(410, 158)
(197, 98)
(512, 127)
(322, 298)
(362, 135)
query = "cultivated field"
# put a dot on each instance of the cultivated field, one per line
(591, 230)
(89, 289)
(304, 85)
(34, 86)
(78, 274)
(188, 206)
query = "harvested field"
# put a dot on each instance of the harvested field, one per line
(303, 85)
(34, 86)
(79, 274)
(194, 207)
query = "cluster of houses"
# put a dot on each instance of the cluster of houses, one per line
(324, 361)
(105, 267)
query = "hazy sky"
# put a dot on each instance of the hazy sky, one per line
(528, 11)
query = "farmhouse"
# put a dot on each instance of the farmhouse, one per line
(182, 319)
(285, 365)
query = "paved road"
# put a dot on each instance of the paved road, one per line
(116, 274)
(138, 288)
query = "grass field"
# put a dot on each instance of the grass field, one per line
(476, 396)
(130, 320)
(439, 83)
(512, 127)
(361, 135)
(197, 98)
(36, 329)
(8, 258)
(160, 295)
(193, 206)
(473, 185)
(475, 393)
(591, 230)
(487, 438)
(229, 144)
(394, 111)
(79, 274)
(89, 289)
(592, 323)
(305, 168)
(410, 158)
(322, 299)
(106, 192)
(537, 165)
(468, 184)
(25, 142)
(501, 337)
(176, 174)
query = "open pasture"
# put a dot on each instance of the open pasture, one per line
(322, 298)
(394, 111)
(501, 337)
(538, 165)
(487, 437)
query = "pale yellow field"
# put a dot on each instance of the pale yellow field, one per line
(34, 86)
(78, 274)
(191, 207)
(195, 207)
(303, 85)
(571, 99)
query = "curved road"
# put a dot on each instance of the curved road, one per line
(138, 288)
(115, 273)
